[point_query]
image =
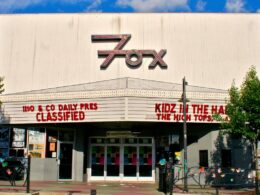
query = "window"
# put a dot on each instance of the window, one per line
(226, 158)
(97, 140)
(130, 140)
(203, 154)
(145, 140)
(36, 142)
(66, 136)
(51, 143)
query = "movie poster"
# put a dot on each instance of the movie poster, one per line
(18, 138)
(36, 143)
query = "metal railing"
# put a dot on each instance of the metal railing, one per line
(212, 176)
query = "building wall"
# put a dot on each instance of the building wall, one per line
(79, 156)
(44, 169)
(50, 50)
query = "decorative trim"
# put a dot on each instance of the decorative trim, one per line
(114, 93)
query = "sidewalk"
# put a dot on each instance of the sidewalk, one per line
(79, 188)
(106, 188)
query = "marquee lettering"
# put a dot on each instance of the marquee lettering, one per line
(128, 54)
(194, 112)
(60, 112)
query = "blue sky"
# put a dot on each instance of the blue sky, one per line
(81, 6)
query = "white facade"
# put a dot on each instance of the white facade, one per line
(50, 50)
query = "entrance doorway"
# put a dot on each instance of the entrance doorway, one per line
(65, 154)
(138, 161)
(122, 159)
(65, 161)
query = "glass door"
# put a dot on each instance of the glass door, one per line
(98, 160)
(130, 161)
(65, 159)
(113, 161)
(145, 161)
(126, 159)
(138, 161)
(65, 154)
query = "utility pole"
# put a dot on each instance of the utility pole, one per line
(184, 100)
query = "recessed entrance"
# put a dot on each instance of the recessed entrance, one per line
(123, 159)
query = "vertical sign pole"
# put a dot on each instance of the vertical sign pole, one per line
(28, 175)
(185, 136)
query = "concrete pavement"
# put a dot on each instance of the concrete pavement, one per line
(105, 188)
(76, 188)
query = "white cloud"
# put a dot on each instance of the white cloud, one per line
(7, 6)
(93, 7)
(258, 11)
(235, 6)
(154, 5)
(200, 6)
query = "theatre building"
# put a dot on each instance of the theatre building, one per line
(99, 96)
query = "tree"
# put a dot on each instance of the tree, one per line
(243, 107)
(243, 111)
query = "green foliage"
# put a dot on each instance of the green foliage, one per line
(243, 107)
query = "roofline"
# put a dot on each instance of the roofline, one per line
(133, 13)
(127, 87)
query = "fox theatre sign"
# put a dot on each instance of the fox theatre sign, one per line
(129, 55)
